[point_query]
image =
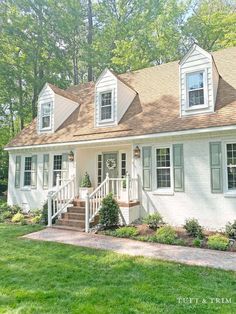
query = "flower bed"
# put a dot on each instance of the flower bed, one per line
(191, 234)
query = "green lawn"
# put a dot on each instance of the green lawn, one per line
(39, 277)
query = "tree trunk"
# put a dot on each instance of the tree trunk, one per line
(21, 107)
(90, 40)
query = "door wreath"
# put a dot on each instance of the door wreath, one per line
(111, 164)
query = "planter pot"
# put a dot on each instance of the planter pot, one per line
(84, 191)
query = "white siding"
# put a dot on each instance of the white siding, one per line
(107, 82)
(125, 96)
(62, 110)
(212, 210)
(197, 60)
(26, 197)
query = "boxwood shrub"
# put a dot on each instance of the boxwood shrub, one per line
(218, 242)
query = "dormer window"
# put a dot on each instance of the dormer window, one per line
(195, 89)
(106, 110)
(46, 114)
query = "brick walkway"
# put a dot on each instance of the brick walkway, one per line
(186, 255)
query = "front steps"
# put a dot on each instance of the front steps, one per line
(74, 218)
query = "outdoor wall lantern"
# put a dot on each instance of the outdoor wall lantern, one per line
(71, 156)
(137, 152)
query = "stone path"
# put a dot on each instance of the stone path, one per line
(186, 255)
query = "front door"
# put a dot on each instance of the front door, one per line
(110, 165)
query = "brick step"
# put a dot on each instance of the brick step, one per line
(76, 209)
(75, 216)
(78, 202)
(64, 227)
(71, 223)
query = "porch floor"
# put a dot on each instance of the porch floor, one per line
(186, 255)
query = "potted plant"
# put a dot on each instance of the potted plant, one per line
(85, 187)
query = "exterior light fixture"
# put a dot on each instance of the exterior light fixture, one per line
(71, 156)
(137, 152)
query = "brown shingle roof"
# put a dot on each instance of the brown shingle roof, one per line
(155, 108)
(63, 93)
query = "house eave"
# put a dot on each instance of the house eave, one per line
(124, 139)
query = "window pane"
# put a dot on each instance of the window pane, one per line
(163, 157)
(46, 109)
(231, 154)
(196, 97)
(231, 178)
(163, 178)
(105, 113)
(27, 163)
(106, 99)
(57, 162)
(27, 178)
(195, 80)
(46, 122)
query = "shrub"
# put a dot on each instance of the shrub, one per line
(86, 183)
(36, 219)
(230, 230)
(45, 214)
(4, 207)
(109, 212)
(36, 212)
(193, 228)
(18, 217)
(6, 215)
(197, 242)
(166, 234)
(126, 232)
(218, 242)
(154, 220)
(23, 222)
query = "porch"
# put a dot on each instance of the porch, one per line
(110, 172)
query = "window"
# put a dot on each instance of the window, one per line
(46, 116)
(195, 89)
(30, 171)
(123, 165)
(231, 166)
(106, 106)
(60, 166)
(99, 169)
(27, 173)
(163, 168)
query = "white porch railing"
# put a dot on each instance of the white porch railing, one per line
(59, 200)
(123, 189)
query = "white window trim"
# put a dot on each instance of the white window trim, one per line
(162, 191)
(41, 116)
(227, 192)
(205, 89)
(112, 106)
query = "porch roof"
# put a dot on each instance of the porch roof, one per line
(155, 109)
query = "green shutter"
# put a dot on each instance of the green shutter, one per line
(178, 163)
(216, 167)
(17, 171)
(64, 167)
(45, 170)
(147, 167)
(34, 171)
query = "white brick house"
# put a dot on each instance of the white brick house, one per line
(171, 127)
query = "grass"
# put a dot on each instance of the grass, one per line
(42, 277)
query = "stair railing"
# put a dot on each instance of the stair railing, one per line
(123, 189)
(59, 200)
